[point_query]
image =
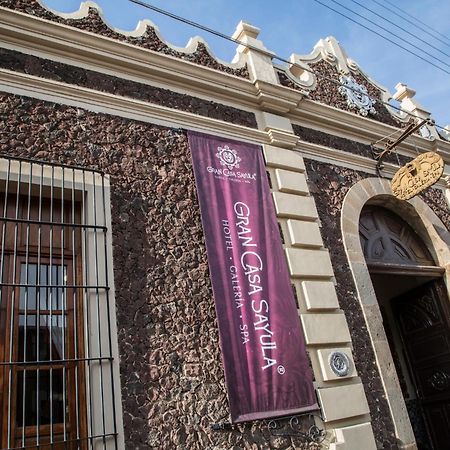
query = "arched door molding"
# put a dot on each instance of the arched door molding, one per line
(436, 238)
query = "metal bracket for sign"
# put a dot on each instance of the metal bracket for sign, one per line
(284, 427)
(391, 144)
(292, 427)
(222, 426)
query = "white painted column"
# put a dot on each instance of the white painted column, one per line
(342, 398)
(271, 96)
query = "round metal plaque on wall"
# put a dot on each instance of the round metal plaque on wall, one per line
(417, 175)
(340, 364)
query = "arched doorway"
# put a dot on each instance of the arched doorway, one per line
(416, 318)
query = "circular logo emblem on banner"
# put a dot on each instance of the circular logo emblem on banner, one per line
(228, 157)
(340, 364)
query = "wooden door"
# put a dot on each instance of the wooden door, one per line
(423, 318)
(42, 386)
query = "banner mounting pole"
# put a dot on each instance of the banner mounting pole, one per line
(391, 144)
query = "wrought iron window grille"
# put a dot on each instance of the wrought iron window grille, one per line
(58, 358)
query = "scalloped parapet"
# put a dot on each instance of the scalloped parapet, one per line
(90, 18)
(334, 81)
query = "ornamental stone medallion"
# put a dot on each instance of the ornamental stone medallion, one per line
(357, 95)
(340, 364)
(425, 132)
(417, 175)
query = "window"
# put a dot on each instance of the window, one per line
(59, 387)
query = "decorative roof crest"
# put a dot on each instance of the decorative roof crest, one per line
(330, 50)
(405, 95)
(141, 29)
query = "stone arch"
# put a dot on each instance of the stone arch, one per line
(437, 239)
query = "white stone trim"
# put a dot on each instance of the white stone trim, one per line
(356, 437)
(434, 234)
(102, 102)
(338, 122)
(141, 29)
(304, 234)
(340, 402)
(58, 42)
(291, 206)
(291, 182)
(325, 329)
(319, 295)
(69, 45)
(324, 325)
(311, 263)
(283, 159)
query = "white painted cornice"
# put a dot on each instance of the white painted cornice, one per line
(69, 45)
(277, 98)
(351, 126)
(140, 30)
(339, 157)
(83, 49)
(102, 102)
(80, 48)
(334, 156)
(350, 160)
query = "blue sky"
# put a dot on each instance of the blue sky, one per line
(295, 26)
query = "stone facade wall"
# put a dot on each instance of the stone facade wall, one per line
(346, 145)
(436, 200)
(173, 387)
(52, 70)
(173, 384)
(329, 184)
(149, 40)
(327, 92)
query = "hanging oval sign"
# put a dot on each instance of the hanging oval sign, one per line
(417, 175)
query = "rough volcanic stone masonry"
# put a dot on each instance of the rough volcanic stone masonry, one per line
(329, 184)
(327, 91)
(173, 385)
(44, 68)
(346, 145)
(150, 40)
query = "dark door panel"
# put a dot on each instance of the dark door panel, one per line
(422, 317)
(439, 416)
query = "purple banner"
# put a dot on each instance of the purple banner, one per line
(263, 349)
